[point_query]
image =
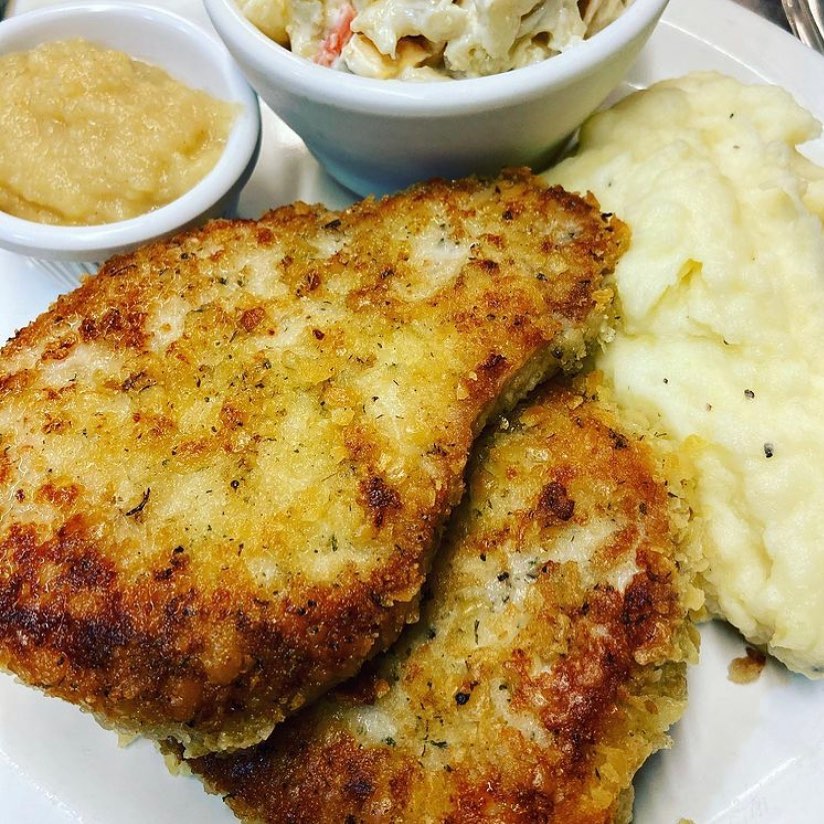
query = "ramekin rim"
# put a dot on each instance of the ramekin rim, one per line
(437, 98)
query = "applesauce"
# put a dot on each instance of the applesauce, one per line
(90, 135)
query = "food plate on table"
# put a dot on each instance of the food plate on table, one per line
(741, 753)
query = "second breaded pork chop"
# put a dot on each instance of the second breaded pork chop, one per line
(225, 460)
(548, 663)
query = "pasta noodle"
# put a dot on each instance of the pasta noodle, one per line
(430, 39)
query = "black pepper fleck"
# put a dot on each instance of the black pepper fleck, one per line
(139, 508)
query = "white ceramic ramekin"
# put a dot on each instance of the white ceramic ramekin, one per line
(190, 54)
(377, 135)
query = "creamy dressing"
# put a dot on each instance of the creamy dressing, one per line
(430, 39)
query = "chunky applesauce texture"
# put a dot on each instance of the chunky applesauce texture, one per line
(92, 136)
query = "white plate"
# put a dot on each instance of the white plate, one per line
(742, 753)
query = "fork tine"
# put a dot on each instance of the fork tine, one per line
(806, 19)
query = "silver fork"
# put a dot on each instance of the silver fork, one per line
(806, 18)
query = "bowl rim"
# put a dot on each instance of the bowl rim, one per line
(436, 98)
(95, 241)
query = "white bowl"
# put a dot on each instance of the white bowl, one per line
(378, 135)
(190, 54)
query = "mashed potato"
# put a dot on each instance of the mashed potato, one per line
(722, 330)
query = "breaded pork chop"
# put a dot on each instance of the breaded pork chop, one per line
(548, 663)
(225, 460)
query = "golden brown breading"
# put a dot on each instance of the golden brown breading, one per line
(548, 663)
(225, 460)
